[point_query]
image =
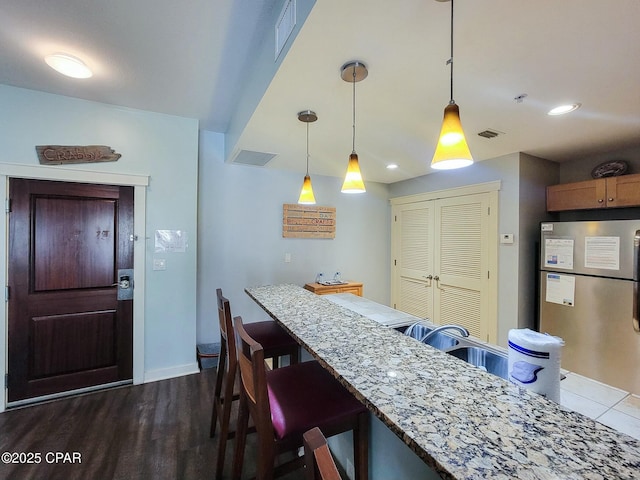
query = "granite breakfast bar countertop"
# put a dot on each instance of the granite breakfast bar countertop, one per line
(462, 422)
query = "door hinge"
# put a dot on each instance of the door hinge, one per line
(7, 205)
(488, 210)
(6, 380)
(488, 274)
(395, 262)
(7, 293)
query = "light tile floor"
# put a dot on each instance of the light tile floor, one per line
(608, 405)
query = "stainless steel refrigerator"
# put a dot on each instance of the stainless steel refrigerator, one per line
(589, 297)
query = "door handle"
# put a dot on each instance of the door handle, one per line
(437, 279)
(125, 284)
(428, 277)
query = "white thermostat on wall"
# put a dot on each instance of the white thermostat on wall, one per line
(506, 238)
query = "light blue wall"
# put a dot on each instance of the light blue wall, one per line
(535, 175)
(241, 243)
(161, 146)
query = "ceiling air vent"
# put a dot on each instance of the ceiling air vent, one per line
(489, 133)
(284, 25)
(248, 157)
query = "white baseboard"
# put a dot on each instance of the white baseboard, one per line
(172, 372)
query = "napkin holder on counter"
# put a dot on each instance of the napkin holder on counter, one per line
(534, 362)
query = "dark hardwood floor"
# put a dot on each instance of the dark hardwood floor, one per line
(159, 430)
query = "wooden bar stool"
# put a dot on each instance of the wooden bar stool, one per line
(285, 403)
(318, 462)
(280, 344)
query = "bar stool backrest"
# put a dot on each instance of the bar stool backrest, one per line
(254, 381)
(226, 331)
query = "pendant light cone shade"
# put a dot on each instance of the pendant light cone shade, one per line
(306, 193)
(452, 150)
(353, 72)
(353, 179)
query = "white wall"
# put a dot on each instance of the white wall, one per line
(161, 146)
(241, 244)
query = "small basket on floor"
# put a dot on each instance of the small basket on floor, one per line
(207, 355)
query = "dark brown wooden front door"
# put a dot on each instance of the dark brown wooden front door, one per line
(67, 328)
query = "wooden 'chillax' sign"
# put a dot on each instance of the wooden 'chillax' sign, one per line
(62, 155)
(308, 221)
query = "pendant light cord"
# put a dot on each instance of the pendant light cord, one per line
(307, 148)
(450, 61)
(354, 109)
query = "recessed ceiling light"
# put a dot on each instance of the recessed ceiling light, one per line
(392, 166)
(562, 109)
(68, 65)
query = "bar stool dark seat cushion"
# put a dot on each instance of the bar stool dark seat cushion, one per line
(270, 334)
(310, 385)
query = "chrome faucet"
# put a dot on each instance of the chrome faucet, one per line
(461, 330)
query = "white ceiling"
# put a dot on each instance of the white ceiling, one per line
(190, 58)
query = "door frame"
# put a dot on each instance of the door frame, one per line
(140, 184)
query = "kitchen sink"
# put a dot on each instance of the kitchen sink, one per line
(487, 360)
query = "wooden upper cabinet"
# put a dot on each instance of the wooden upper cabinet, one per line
(623, 191)
(577, 195)
(612, 192)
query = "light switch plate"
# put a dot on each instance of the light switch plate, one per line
(159, 264)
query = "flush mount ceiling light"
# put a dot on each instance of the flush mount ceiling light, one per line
(392, 166)
(353, 72)
(68, 65)
(306, 194)
(452, 150)
(562, 109)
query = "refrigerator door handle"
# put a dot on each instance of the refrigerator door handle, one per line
(636, 256)
(636, 268)
(636, 306)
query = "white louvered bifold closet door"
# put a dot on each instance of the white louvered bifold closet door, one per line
(460, 294)
(415, 259)
(442, 258)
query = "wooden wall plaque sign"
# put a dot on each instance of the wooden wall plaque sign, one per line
(308, 221)
(62, 155)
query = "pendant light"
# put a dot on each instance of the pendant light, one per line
(353, 72)
(306, 194)
(452, 150)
